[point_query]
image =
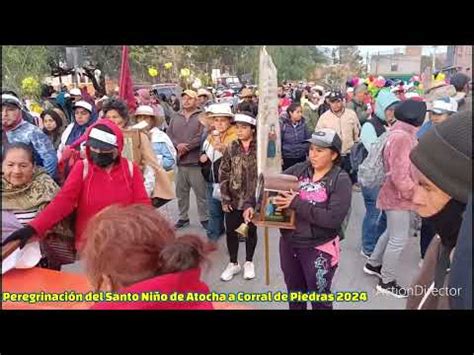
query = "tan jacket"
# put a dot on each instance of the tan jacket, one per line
(137, 146)
(347, 127)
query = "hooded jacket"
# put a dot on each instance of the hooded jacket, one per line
(376, 125)
(397, 190)
(89, 195)
(181, 282)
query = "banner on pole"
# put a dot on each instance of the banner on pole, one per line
(268, 150)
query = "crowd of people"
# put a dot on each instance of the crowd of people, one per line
(91, 174)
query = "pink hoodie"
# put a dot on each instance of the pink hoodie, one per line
(397, 190)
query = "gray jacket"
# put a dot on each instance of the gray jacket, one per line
(182, 130)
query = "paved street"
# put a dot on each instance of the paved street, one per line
(349, 276)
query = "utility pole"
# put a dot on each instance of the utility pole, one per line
(434, 59)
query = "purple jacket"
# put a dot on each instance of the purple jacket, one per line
(397, 190)
(293, 139)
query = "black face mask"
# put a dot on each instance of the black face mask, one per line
(102, 159)
(448, 221)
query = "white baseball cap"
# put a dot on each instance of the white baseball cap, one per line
(75, 92)
(245, 119)
(84, 104)
(444, 105)
(145, 110)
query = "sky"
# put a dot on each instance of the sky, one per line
(364, 50)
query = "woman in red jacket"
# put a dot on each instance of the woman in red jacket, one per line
(133, 251)
(103, 179)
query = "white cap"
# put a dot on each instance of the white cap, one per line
(221, 109)
(145, 110)
(84, 104)
(245, 119)
(75, 92)
(444, 105)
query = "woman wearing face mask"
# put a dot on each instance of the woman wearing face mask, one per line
(443, 160)
(102, 179)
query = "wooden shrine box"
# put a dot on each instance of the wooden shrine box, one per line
(269, 186)
(132, 146)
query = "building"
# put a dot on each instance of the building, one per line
(397, 64)
(461, 58)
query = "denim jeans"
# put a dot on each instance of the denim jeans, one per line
(375, 221)
(216, 216)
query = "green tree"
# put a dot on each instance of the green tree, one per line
(296, 62)
(19, 62)
(350, 55)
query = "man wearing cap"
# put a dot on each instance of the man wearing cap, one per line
(204, 98)
(439, 111)
(357, 103)
(443, 161)
(345, 123)
(185, 132)
(15, 129)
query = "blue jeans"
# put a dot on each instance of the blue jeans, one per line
(375, 221)
(216, 216)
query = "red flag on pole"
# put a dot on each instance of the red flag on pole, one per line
(126, 84)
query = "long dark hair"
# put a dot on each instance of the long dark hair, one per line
(59, 124)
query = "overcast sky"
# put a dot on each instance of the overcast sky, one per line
(364, 50)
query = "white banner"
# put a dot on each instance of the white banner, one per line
(268, 116)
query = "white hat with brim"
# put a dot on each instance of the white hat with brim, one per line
(145, 110)
(219, 110)
(241, 118)
(75, 92)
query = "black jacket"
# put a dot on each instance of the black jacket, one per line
(319, 222)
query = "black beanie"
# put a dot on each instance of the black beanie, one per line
(444, 155)
(411, 111)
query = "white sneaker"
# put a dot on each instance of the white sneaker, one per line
(249, 270)
(230, 271)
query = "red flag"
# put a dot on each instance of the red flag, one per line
(126, 84)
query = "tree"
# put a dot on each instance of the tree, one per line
(350, 55)
(19, 62)
(296, 62)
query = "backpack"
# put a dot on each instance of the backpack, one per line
(371, 172)
(357, 155)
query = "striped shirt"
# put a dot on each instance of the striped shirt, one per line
(25, 216)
